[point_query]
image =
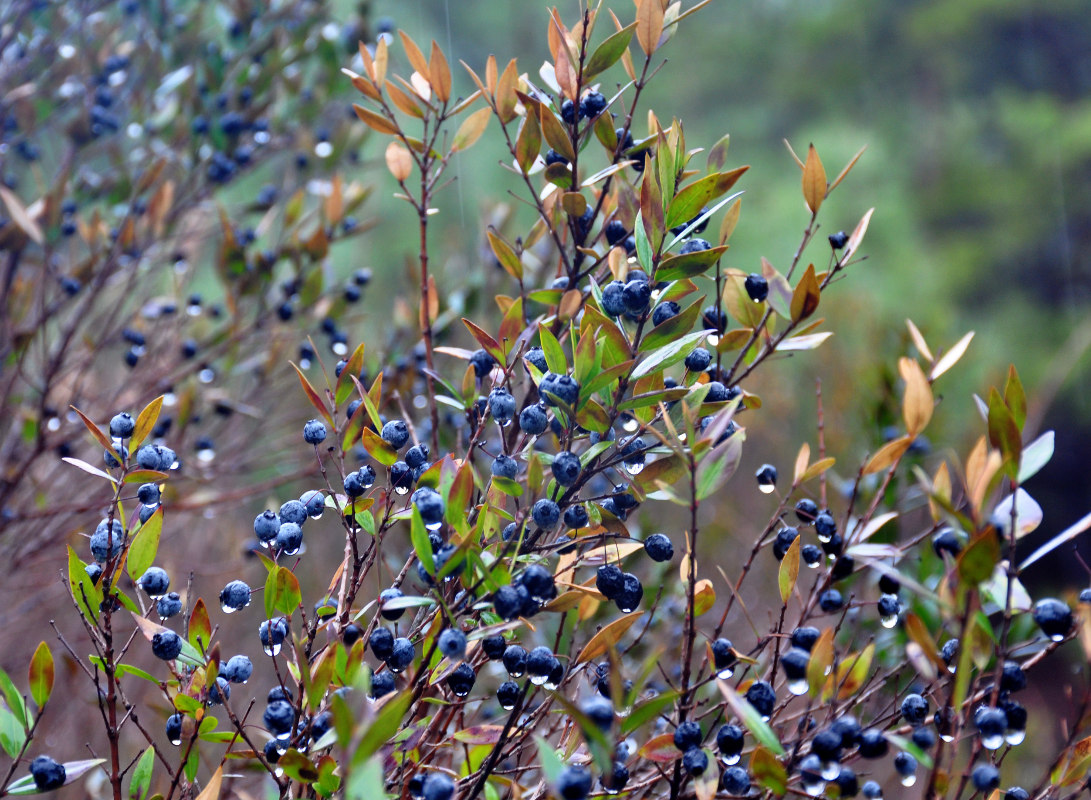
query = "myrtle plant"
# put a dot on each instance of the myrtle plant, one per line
(531, 594)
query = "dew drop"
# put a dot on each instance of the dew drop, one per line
(909, 780)
(947, 737)
(283, 737)
(518, 673)
(224, 607)
(814, 788)
(798, 687)
(193, 310)
(551, 686)
(419, 401)
(830, 770)
(272, 650)
(630, 425)
(889, 622)
(1057, 637)
(825, 539)
(66, 51)
(725, 674)
(401, 489)
(507, 707)
(634, 468)
(176, 742)
(461, 694)
(713, 340)
(624, 711)
(53, 424)
(732, 760)
(625, 609)
(262, 137)
(304, 363)
(340, 348)
(206, 456)
(951, 668)
(992, 742)
(768, 488)
(1014, 737)
(434, 526)
(539, 680)
(324, 150)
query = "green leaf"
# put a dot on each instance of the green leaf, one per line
(286, 594)
(365, 779)
(551, 763)
(15, 700)
(768, 771)
(554, 353)
(1004, 433)
(643, 245)
(423, 547)
(718, 466)
(12, 734)
(1015, 398)
(41, 675)
(671, 329)
(352, 369)
(140, 780)
(378, 448)
(87, 594)
(647, 711)
(688, 265)
(144, 546)
(385, 725)
(689, 201)
(608, 53)
(977, 559)
(670, 353)
(751, 718)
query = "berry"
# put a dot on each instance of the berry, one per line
(381, 642)
(711, 317)
(219, 691)
(811, 554)
(698, 359)
(924, 738)
(574, 783)
(592, 104)
(905, 764)
(314, 502)
(576, 517)
(536, 356)
(1053, 617)
(873, 744)
(568, 112)
(849, 729)
(566, 468)
(438, 786)
(515, 660)
(842, 568)
(785, 537)
(174, 728)
(351, 634)
(504, 466)
(985, 777)
(47, 773)
(279, 718)
(615, 232)
(266, 525)
(806, 511)
(659, 547)
(636, 296)
(507, 603)
(289, 538)
(631, 593)
(762, 697)
(237, 669)
(166, 645)
(838, 240)
(695, 761)
(767, 477)
(507, 694)
(271, 634)
(154, 582)
(831, 601)
(401, 654)
(947, 541)
(723, 654)
(148, 494)
(533, 419)
(613, 300)
(757, 287)
(1016, 793)
(452, 643)
(482, 363)
(827, 744)
(664, 311)
(385, 596)
(293, 511)
(382, 684)
(169, 605)
(914, 709)
(616, 779)
(872, 790)
(795, 664)
(235, 596)
(396, 433)
(314, 432)
(461, 681)
(600, 712)
(493, 646)
(730, 740)
(431, 506)
(562, 387)
(736, 781)
(805, 637)
(107, 539)
(825, 526)
(122, 426)
(358, 482)
(416, 456)
(538, 582)
(610, 581)
(545, 513)
(687, 735)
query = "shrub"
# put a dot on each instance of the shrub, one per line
(497, 621)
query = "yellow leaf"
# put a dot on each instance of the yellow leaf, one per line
(399, 161)
(853, 672)
(818, 666)
(918, 340)
(888, 454)
(374, 121)
(951, 357)
(814, 180)
(649, 25)
(806, 296)
(212, 788)
(857, 236)
(609, 636)
(918, 403)
(506, 99)
(414, 54)
(439, 73)
(704, 597)
(802, 460)
(789, 570)
(471, 129)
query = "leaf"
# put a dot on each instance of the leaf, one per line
(554, 133)
(817, 468)
(608, 53)
(918, 632)
(1035, 456)
(286, 595)
(661, 749)
(718, 465)
(689, 201)
(814, 181)
(471, 129)
(144, 546)
(439, 73)
(818, 666)
(918, 340)
(688, 265)
(768, 771)
(87, 594)
(212, 788)
(14, 699)
(888, 454)
(917, 402)
(704, 596)
(378, 448)
(421, 544)
(41, 675)
(1028, 514)
(608, 637)
(399, 161)
(479, 734)
(140, 780)
(951, 357)
(314, 397)
(806, 295)
(669, 354)
(145, 422)
(383, 727)
(98, 473)
(979, 557)
(789, 570)
(853, 671)
(20, 217)
(101, 437)
(528, 142)
(200, 626)
(857, 236)
(649, 25)
(375, 121)
(750, 718)
(805, 342)
(12, 735)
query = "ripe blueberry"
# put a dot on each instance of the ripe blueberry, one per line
(736, 781)
(166, 645)
(762, 697)
(482, 363)
(314, 432)
(237, 669)
(574, 783)
(698, 360)
(452, 643)
(659, 547)
(566, 468)
(122, 426)
(1053, 617)
(154, 582)
(545, 513)
(757, 287)
(168, 605)
(47, 773)
(401, 654)
(461, 681)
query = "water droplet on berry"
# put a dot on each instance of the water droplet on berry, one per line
(273, 650)
(947, 737)
(176, 742)
(635, 467)
(507, 707)
(227, 609)
(539, 680)
(889, 621)
(830, 770)
(630, 425)
(434, 526)
(909, 780)
(732, 760)
(206, 455)
(419, 401)
(798, 687)
(814, 787)
(206, 375)
(1014, 737)
(769, 488)
(340, 348)
(992, 742)
(401, 489)
(725, 674)
(323, 149)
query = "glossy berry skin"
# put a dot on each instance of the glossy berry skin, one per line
(482, 363)
(507, 603)
(430, 504)
(824, 525)
(279, 717)
(266, 525)
(694, 245)
(536, 356)
(592, 104)
(831, 601)
(757, 287)
(106, 540)
(566, 468)
(533, 420)
(501, 405)
(631, 593)
(766, 475)
(985, 777)
(545, 513)
(563, 387)
(574, 783)
(806, 511)
(811, 554)
(169, 605)
(664, 311)
(155, 582)
(122, 426)
(613, 298)
(1012, 678)
(615, 232)
(493, 646)
(873, 744)
(576, 517)
(166, 645)
(827, 744)
(924, 738)
(687, 735)
(659, 547)
(390, 613)
(947, 541)
(610, 581)
(289, 538)
(271, 633)
(1053, 617)
(148, 494)
(314, 432)
(395, 433)
(452, 643)
(795, 663)
(236, 595)
(173, 728)
(783, 540)
(461, 681)
(636, 295)
(515, 660)
(872, 790)
(723, 654)
(381, 642)
(47, 773)
(238, 669)
(698, 360)
(504, 466)
(914, 709)
(401, 655)
(359, 481)
(730, 740)
(382, 684)
(736, 781)
(762, 697)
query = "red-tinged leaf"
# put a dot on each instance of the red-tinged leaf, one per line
(814, 180)
(506, 99)
(555, 133)
(491, 346)
(471, 129)
(144, 476)
(608, 637)
(41, 675)
(439, 74)
(661, 749)
(888, 454)
(375, 121)
(806, 295)
(101, 437)
(79, 463)
(788, 571)
(145, 422)
(649, 25)
(853, 672)
(144, 545)
(528, 142)
(768, 771)
(479, 734)
(352, 368)
(200, 626)
(314, 397)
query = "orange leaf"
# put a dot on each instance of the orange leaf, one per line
(439, 74)
(814, 180)
(398, 161)
(375, 121)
